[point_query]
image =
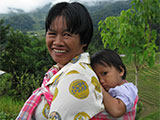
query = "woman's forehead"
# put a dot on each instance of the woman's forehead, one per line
(59, 21)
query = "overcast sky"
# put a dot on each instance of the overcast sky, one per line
(29, 5)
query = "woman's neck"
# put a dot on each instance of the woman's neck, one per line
(59, 66)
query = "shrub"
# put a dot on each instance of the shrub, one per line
(6, 83)
(27, 83)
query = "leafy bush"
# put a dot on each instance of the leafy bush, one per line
(26, 59)
(6, 83)
(27, 83)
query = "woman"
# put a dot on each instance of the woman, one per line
(70, 89)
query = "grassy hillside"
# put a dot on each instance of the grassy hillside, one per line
(148, 86)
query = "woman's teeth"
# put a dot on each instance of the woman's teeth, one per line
(59, 51)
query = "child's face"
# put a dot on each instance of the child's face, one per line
(109, 77)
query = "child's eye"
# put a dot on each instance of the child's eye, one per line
(104, 73)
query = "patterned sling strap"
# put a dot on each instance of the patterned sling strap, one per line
(127, 116)
(32, 102)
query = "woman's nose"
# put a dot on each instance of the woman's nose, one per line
(58, 40)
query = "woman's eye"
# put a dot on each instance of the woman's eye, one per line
(67, 34)
(51, 33)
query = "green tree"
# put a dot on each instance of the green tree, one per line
(11, 59)
(4, 32)
(133, 33)
(24, 54)
(36, 57)
(26, 59)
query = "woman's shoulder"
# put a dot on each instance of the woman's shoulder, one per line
(82, 65)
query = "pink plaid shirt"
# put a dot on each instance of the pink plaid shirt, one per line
(32, 102)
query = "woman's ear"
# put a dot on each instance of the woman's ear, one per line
(84, 45)
(122, 71)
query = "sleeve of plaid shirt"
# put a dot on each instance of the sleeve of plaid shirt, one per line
(77, 95)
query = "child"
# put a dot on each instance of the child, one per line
(120, 97)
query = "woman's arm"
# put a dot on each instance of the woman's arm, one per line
(115, 107)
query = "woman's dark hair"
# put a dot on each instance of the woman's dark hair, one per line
(109, 57)
(77, 19)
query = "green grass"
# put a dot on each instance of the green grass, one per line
(152, 116)
(9, 108)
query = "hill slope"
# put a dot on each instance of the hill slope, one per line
(148, 87)
(98, 12)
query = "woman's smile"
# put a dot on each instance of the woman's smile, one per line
(62, 45)
(59, 51)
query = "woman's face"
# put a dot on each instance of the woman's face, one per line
(62, 45)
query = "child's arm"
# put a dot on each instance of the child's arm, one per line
(115, 107)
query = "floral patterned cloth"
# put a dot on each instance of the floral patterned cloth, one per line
(74, 92)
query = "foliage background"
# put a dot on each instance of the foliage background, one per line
(24, 56)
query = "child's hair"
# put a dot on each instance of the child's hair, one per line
(110, 57)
